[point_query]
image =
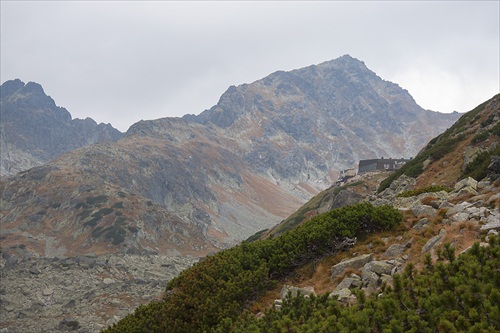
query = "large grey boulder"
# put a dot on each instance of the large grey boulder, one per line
(424, 210)
(341, 293)
(395, 250)
(467, 182)
(494, 225)
(378, 267)
(421, 224)
(350, 282)
(431, 243)
(458, 208)
(355, 263)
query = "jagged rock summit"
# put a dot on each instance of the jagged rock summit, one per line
(338, 112)
(34, 130)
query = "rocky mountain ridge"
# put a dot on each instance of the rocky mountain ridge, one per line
(34, 130)
(240, 167)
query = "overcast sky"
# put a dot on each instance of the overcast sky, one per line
(120, 62)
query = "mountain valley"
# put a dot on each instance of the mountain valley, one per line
(122, 217)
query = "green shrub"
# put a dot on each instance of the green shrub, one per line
(480, 137)
(133, 230)
(84, 214)
(92, 222)
(97, 232)
(118, 205)
(120, 220)
(81, 205)
(96, 200)
(103, 211)
(495, 130)
(478, 168)
(454, 295)
(216, 290)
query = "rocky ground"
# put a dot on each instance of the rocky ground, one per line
(88, 293)
(464, 215)
(80, 294)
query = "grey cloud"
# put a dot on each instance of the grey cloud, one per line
(120, 62)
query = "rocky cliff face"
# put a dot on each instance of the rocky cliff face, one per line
(300, 124)
(237, 168)
(35, 130)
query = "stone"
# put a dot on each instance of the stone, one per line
(9, 307)
(341, 294)
(460, 217)
(367, 276)
(421, 224)
(458, 208)
(491, 233)
(490, 226)
(47, 292)
(424, 210)
(493, 198)
(70, 304)
(379, 267)
(35, 270)
(295, 291)
(431, 243)
(348, 283)
(355, 263)
(483, 184)
(108, 281)
(69, 324)
(446, 204)
(395, 251)
(387, 279)
(466, 191)
(467, 182)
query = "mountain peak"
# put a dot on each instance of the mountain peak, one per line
(36, 130)
(34, 88)
(10, 87)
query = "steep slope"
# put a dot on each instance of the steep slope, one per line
(469, 148)
(35, 130)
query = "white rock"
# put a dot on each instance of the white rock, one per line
(108, 281)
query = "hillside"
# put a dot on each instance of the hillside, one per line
(34, 130)
(469, 148)
(409, 267)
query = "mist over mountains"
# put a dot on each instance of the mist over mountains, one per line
(194, 184)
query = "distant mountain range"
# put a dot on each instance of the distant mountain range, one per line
(34, 130)
(192, 185)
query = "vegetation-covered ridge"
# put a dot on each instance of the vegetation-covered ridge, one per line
(211, 295)
(452, 295)
(478, 128)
